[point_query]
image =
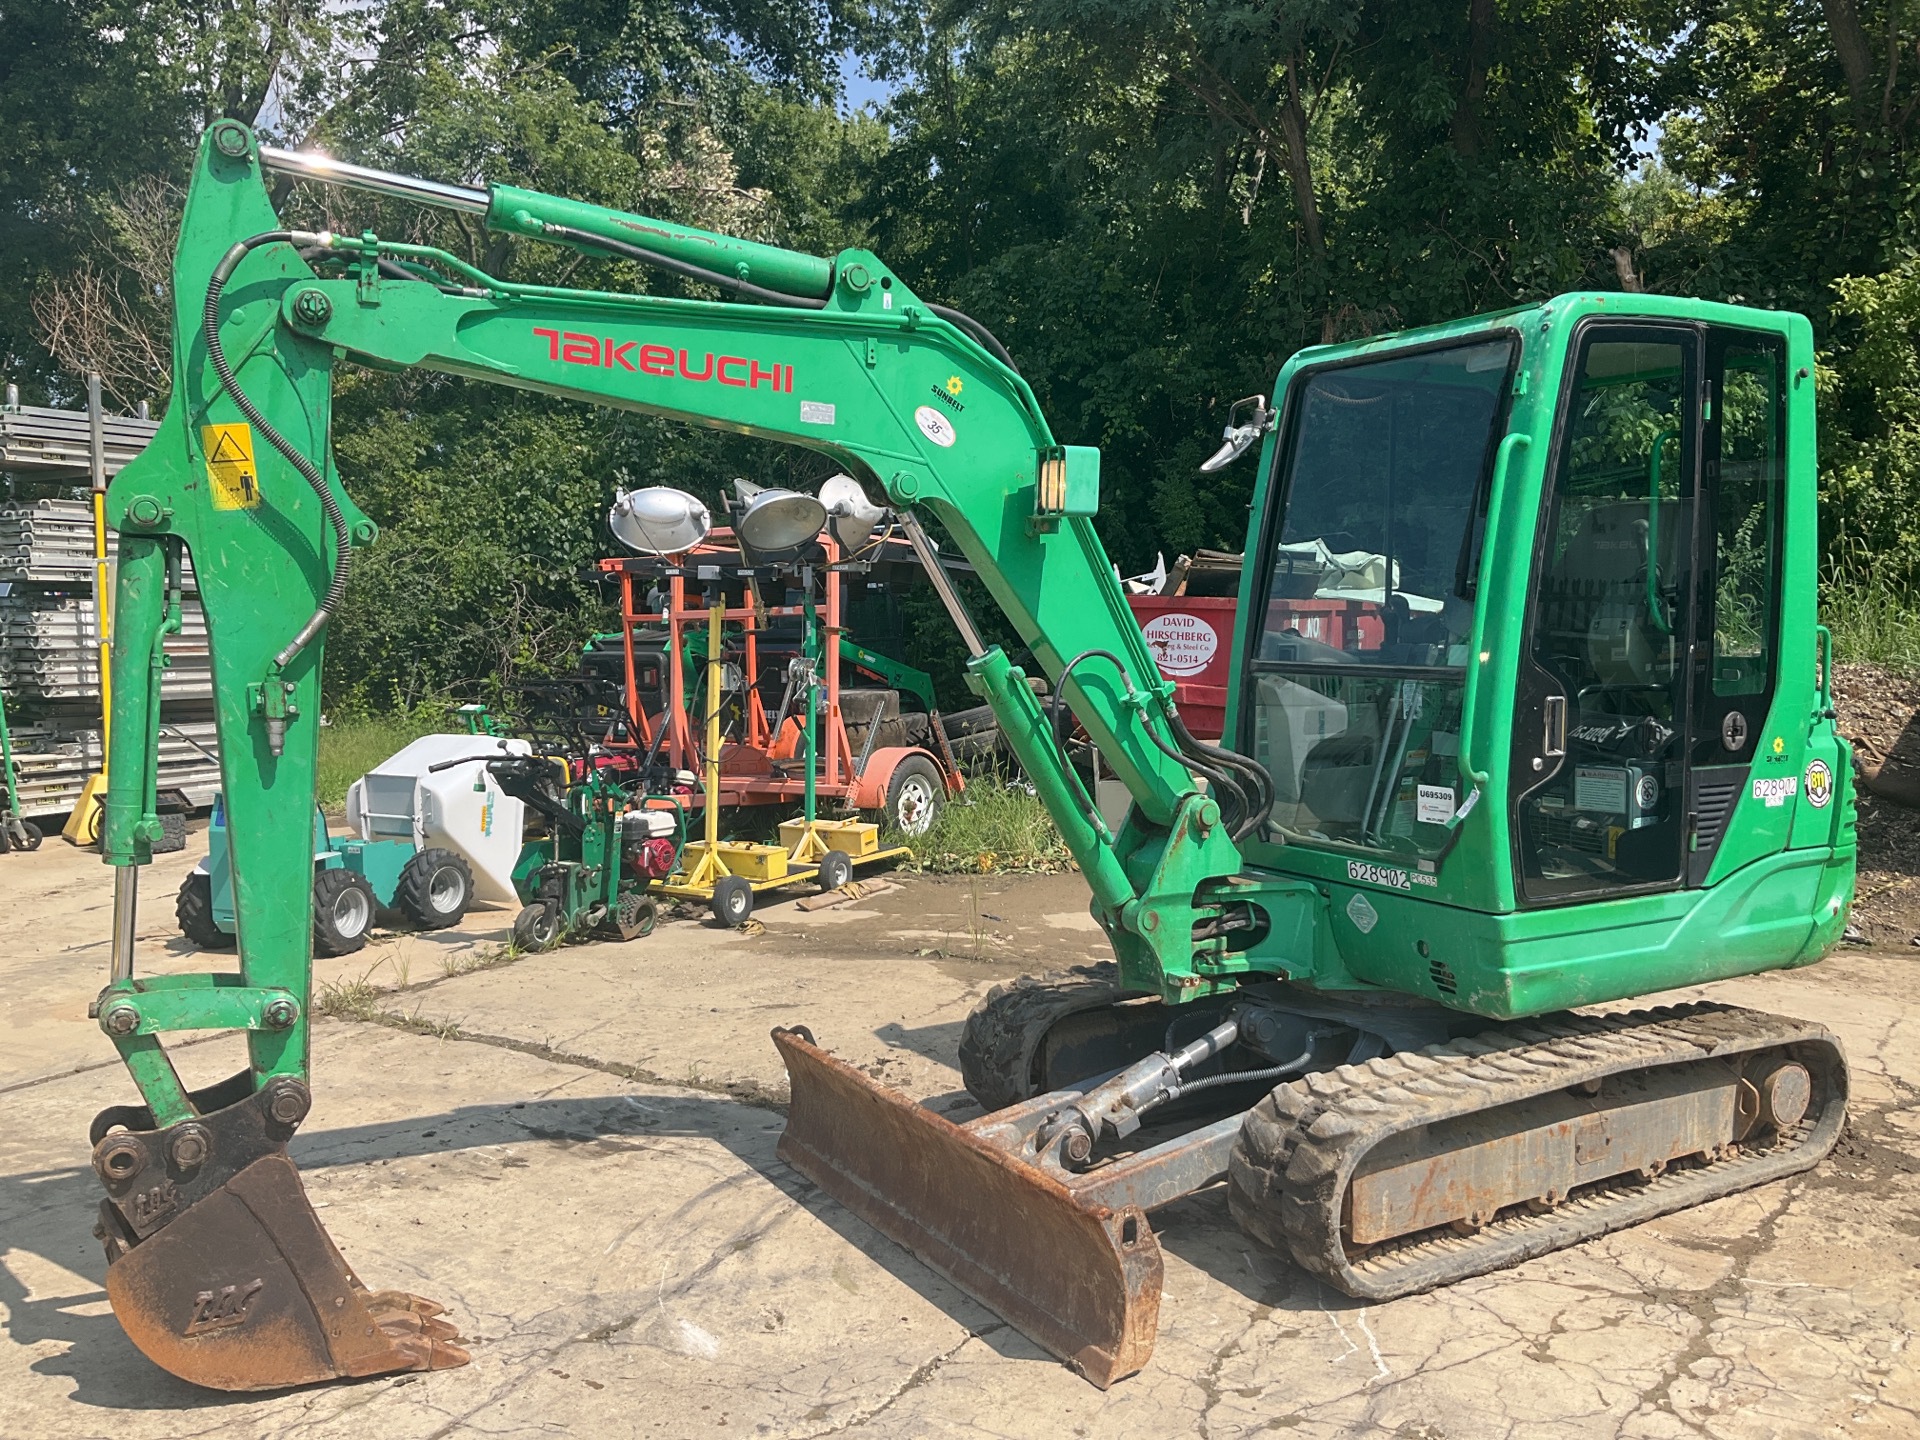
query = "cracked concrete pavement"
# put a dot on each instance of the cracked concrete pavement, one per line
(575, 1152)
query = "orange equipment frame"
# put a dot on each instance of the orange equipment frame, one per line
(759, 768)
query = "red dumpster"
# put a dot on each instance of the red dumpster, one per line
(1191, 637)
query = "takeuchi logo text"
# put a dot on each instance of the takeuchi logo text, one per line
(605, 352)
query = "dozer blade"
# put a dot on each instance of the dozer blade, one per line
(219, 1270)
(1080, 1279)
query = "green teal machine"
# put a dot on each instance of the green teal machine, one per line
(1528, 712)
(352, 879)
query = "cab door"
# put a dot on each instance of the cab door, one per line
(1742, 495)
(1651, 657)
(1603, 714)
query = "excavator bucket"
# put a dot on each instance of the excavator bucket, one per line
(1080, 1279)
(219, 1270)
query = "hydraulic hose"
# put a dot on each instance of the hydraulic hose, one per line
(314, 476)
(748, 290)
(1229, 790)
(1258, 781)
(978, 331)
(1245, 1077)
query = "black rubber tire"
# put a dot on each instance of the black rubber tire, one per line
(537, 927)
(836, 869)
(435, 889)
(193, 908)
(915, 785)
(29, 837)
(342, 901)
(1000, 1042)
(173, 833)
(732, 901)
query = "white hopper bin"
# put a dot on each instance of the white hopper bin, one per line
(460, 808)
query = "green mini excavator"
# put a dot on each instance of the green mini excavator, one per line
(1528, 715)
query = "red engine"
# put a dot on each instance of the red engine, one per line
(651, 859)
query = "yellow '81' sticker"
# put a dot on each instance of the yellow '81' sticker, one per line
(230, 468)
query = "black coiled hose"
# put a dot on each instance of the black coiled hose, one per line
(1242, 786)
(314, 476)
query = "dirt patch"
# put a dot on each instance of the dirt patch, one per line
(1879, 713)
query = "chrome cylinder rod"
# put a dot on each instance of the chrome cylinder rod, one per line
(126, 895)
(942, 582)
(309, 166)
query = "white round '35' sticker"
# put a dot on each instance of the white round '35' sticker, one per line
(935, 426)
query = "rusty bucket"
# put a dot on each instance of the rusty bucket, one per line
(217, 1267)
(1080, 1279)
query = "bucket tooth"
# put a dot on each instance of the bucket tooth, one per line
(1078, 1278)
(221, 1273)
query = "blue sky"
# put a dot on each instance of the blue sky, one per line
(858, 88)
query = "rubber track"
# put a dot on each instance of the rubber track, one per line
(1004, 1031)
(1298, 1148)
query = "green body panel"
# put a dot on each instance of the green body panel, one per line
(908, 401)
(379, 862)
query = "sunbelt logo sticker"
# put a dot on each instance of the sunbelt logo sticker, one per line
(1776, 790)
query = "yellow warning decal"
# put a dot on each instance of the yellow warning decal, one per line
(230, 468)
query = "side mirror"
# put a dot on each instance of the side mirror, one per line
(1241, 434)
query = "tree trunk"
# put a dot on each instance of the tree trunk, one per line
(1466, 115)
(1293, 129)
(1850, 44)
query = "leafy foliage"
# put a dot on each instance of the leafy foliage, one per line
(1152, 202)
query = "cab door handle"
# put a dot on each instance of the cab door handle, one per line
(1553, 739)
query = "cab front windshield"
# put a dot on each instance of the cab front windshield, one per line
(1369, 593)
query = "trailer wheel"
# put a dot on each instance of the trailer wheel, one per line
(29, 837)
(194, 910)
(732, 901)
(836, 869)
(435, 889)
(915, 795)
(537, 927)
(343, 908)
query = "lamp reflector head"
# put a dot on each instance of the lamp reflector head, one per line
(659, 520)
(851, 517)
(778, 520)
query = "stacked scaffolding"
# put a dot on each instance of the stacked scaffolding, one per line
(49, 626)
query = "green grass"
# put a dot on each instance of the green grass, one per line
(993, 826)
(1874, 621)
(351, 745)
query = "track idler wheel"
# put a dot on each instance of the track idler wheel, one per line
(217, 1267)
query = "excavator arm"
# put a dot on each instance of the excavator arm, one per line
(239, 490)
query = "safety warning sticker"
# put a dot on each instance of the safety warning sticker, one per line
(230, 467)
